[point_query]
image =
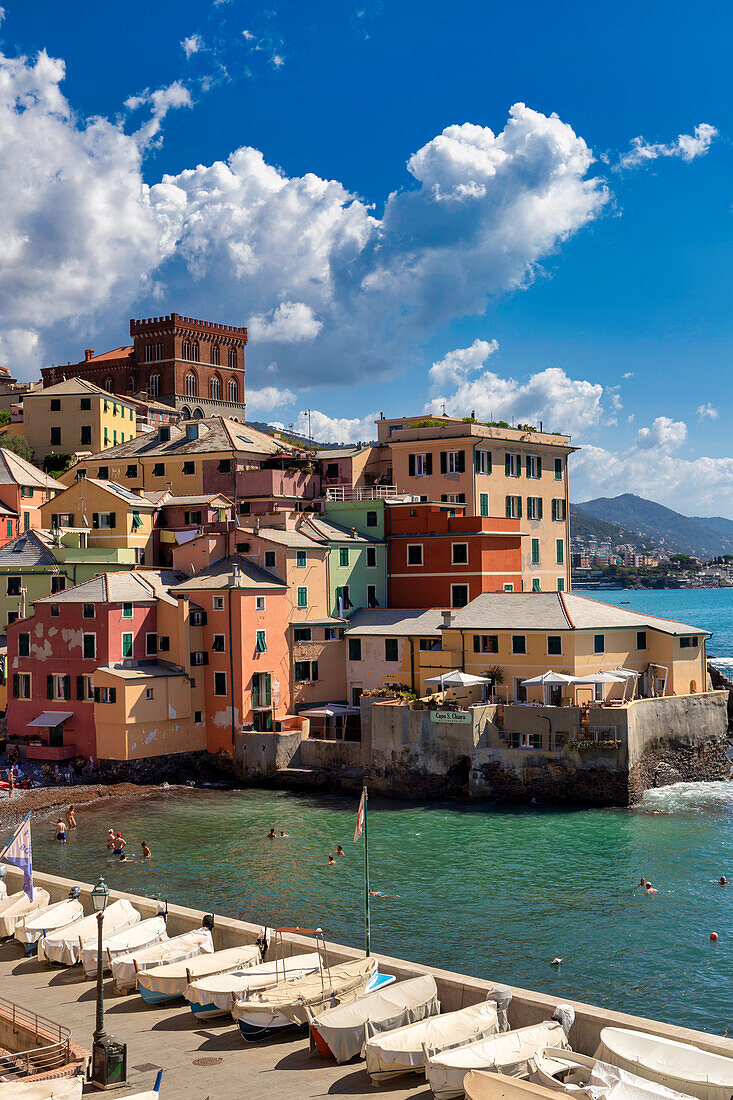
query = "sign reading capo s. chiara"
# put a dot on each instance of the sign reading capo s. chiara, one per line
(450, 717)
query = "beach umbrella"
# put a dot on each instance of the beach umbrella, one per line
(457, 678)
(603, 678)
(548, 679)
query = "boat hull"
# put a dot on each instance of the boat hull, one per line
(254, 1032)
(206, 1011)
(152, 998)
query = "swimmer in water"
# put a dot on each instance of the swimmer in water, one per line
(379, 894)
(123, 857)
(146, 850)
(642, 883)
(723, 880)
(70, 819)
(331, 860)
(340, 851)
(285, 836)
(110, 838)
(60, 831)
(649, 889)
(272, 835)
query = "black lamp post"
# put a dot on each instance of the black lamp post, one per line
(109, 1055)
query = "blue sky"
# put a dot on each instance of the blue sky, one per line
(523, 265)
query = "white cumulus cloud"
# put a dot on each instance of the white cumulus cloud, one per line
(330, 429)
(461, 362)
(709, 411)
(191, 45)
(290, 323)
(685, 146)
(665, 434)
(267, 398)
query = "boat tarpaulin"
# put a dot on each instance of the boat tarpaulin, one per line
(344, 1027)
(143, 934)
(401, 1051)
(171, 979)
(61, 1088)
(221, 990)
(45, 920)
(125, 967)
(509, 1053)
(481, 1084)
(679, 1066)
(62, 945)
(18, 906)
(344, 982)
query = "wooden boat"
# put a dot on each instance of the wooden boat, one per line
(42, 922)
(403, 1050)
(679, 1066)
(62, 945)
(286, 1004)
(18, 906)
(169, 981)
(568, 1073)
(510, 1053)
(479, 1084)
(125, 968)
(142, 934)
(60, 1088)
(339, 1032)
(215, 994)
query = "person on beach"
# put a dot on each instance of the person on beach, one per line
(272, 835)
(60, 831)
(146, 850)
(110, 838)
(331, 860)
(649, 889)
(119, 844)
(70, 819)
(340, 851)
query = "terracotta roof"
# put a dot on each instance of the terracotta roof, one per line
(116, 353)
(14, 470)
(216, 434)
(71, 386)
(142, 586)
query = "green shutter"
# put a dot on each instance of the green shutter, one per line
(519, 507)
(484, 504)
(314, 670)
(508, 465)
(508, 507)
(539, 507)
(539, 466)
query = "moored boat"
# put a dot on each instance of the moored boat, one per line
(42, 922)
(169, 981)
(143, 934)
(62, 945)
(339, 1032)
(215, 994)
(17, 906)
(510, 1053)
(286, 1004)
(125, 968)
(568, 1073)
(403, 1050)
(680, 1066)
(478, 1084)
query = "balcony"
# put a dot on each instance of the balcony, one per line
(51, 753)
(367, 492)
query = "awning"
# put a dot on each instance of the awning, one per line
(52, 718)
(331, 710)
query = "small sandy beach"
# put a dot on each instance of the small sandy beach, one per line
(45, 800)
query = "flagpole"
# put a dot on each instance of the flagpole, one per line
(367, 925)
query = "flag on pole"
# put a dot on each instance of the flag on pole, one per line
(360, 817)
(18, 853)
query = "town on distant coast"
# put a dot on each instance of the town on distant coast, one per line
(183, 591)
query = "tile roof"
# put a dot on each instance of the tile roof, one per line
(393, 622)
(325, 530)
(14, 470)
(205, 498)
(142, 586)
(281, 536)
(215, 434)
(141, 670)
(556, 611)
(125, 352)
(221, 573)
(127, 496)
(29, 548)
(71, 386)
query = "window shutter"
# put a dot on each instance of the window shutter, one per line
(539, 466)
(97, 695)
(508, 507)
(206, 658)
(461, 462)
(95, 519)
(554, 509)
(477, 462)
(16, 685)
(113, 519)
(444, 462)
(192, 659)
(476, 643)
(49, 687)
(528, 466)
(411, 465)
(80, 687)
(519, 507)
(314, 670)
(71, 520)
(113, 695)
(428, 467)
(67, 687)
(539, 507)
(508, 465)
(203, 618)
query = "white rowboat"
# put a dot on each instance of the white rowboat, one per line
(169, 981)
(679, 1066)
(569, 1073)
(214, 995)
(29, 930)
(62, 1088)
(142, 934)
(18, 906)
(62, 945)
(125, 968)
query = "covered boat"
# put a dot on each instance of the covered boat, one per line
(169, 981)
(510, 1053)
(17, 906)
(339, 1032)
(62, 1088)
(678, 1066)
(215, 994)
(479, 1084)
(29, 930)
(62, 945)
(402, 1051)
(286, 1004)
(566, 1072)
(142, 934)
(125, 968)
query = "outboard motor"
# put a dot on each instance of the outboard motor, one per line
(263, 943)
(565, 1015)
(74, 893)
(501, 995)
(208, 922)
(163, 910)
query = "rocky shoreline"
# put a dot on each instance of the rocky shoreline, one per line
(44, 802)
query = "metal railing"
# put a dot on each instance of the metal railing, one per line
(602, 733)
(52, 1043)
(371, 492)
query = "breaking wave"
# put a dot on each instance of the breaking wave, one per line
(690, 798)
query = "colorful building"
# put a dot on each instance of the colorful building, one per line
(182, 519)
(110, 514)
(23, 489)
(400, 647)
(76, 417)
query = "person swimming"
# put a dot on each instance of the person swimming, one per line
(331, 860)
(272, 835)
(119, 844)
(340, 851)
(649, 889)
(70, 819)
(146, 850)
(110, 838)
(284, 836)
(723, 880)
(379, 894)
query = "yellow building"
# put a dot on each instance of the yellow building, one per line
(76, 417)
(153, 716)
(500, 472)
(112, 515)
(513, 637)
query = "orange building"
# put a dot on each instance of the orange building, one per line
(437, 556)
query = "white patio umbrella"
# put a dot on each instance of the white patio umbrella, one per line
(548, 679)
(628, 674)
(604, 678)
(457, 678)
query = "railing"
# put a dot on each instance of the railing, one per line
(602, 733)
(371, 492)
(52, 1043)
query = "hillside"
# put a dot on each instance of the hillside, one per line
(662, 526)
(582, 525)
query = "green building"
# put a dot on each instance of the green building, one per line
(357, 557)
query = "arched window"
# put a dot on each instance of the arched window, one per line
(131, 385)
(197, 414)
(191, 386)
(154, 385)
(233, 359)
(215, 355)
(233, 389)
(185, 413)
(108, 385)
(215, 388)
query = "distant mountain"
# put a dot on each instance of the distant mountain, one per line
(662, 526)
(583, 525)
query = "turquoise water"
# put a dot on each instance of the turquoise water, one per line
(492, 892)
(706, 608)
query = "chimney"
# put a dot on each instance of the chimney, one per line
(88, 354)
(447, 616)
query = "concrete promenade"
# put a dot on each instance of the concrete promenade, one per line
(170, 1038)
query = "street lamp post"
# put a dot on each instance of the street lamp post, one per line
(100, 897)
(109, 1055)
